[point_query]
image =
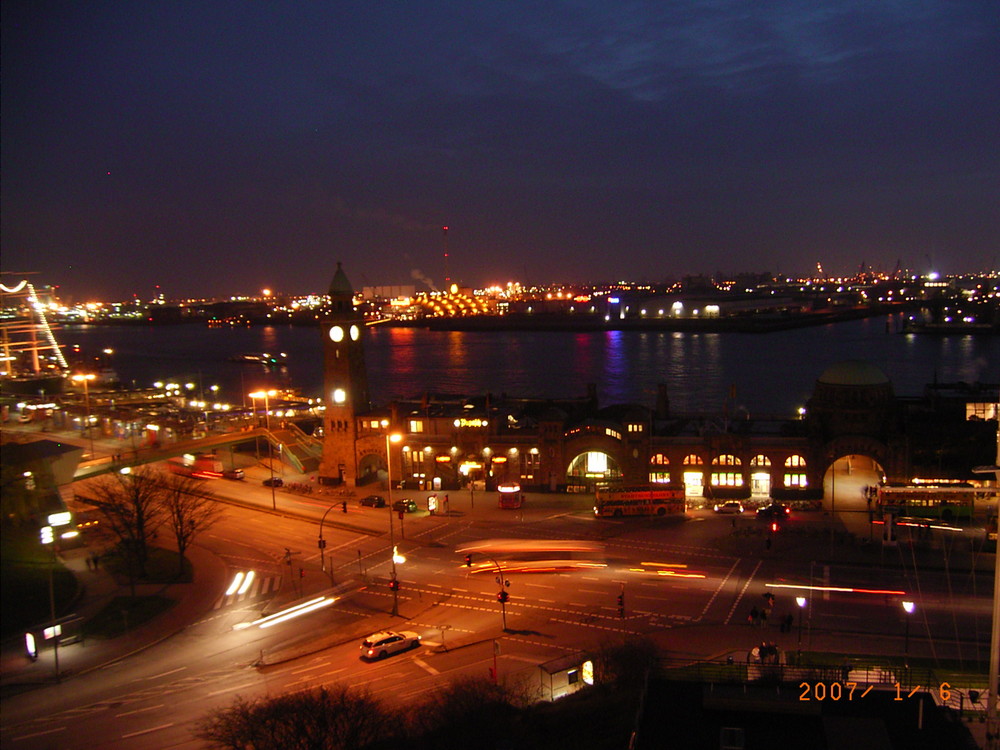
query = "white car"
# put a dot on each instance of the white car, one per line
(380, 645)
(732, 506)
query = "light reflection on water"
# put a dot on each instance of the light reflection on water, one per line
(772, 373)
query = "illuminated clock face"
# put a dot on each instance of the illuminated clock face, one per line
(339, 395)
(337, 334)
(355, 333)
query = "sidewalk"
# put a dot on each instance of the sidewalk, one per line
(97, 588)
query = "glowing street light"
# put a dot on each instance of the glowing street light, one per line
(85, 379)
(267, 425)
(54, 631)
(908, 608)
(394, 437)
(802, 602)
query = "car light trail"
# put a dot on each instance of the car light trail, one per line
(676, 574)
(834, 588)
(288, 614)
(922, 525)
(246, 583)
(235, 584)
(664, 565)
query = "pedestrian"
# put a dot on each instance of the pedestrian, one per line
(753, 616)
(89, 562)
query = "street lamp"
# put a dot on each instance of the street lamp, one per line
(49, 538)
(322, 543)
(85, 379)
(908, 608)
(801, 601)
(267, 426)
(394, 437)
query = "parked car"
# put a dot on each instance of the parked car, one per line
(274, 482)
(382, 644)
(774, 512)
(373, 501)
(406, 505)
(730, 506)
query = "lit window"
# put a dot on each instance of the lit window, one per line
(416, 425)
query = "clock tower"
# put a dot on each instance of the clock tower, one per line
(345, 383)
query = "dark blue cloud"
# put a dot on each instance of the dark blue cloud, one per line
(559, 140)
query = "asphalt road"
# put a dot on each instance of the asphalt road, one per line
(688, 585)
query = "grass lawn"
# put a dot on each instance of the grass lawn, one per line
(24, 581)
(125, 613)
(24, 584)
(161, 567)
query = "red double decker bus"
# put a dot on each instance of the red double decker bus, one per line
(643, 500)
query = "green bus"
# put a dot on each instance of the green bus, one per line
(947, 502)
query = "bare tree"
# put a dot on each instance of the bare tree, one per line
(132, 505)
(190, 508)
(327, 718)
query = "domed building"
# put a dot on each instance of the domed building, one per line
(852, 398)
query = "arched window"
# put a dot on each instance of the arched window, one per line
(795, 475)
(723, 478)
(692, 459)
(726, 459)
(760, 461)
(659, 469)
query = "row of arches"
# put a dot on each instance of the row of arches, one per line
(726, 470)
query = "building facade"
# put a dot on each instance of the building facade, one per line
(575, 444)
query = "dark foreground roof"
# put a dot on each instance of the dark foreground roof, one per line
(691, 716)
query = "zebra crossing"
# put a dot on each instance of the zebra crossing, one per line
(258, 587)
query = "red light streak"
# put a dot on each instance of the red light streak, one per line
(835, 589)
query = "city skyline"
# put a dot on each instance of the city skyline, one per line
(219, 149)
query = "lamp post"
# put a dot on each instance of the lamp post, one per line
(502, 595)
(85, 379)
(394, 437)
(322, 543)
(908, 608)
(801, 601)
(48, 537)
(267, 426)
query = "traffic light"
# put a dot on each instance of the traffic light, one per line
(774, 527)
(302, 573)
(502, 597)
(468, 561)
(394, 585)
(621, 604)
(343, 506)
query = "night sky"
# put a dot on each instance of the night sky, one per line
(216, 148)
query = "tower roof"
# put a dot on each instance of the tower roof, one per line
(341, 285)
